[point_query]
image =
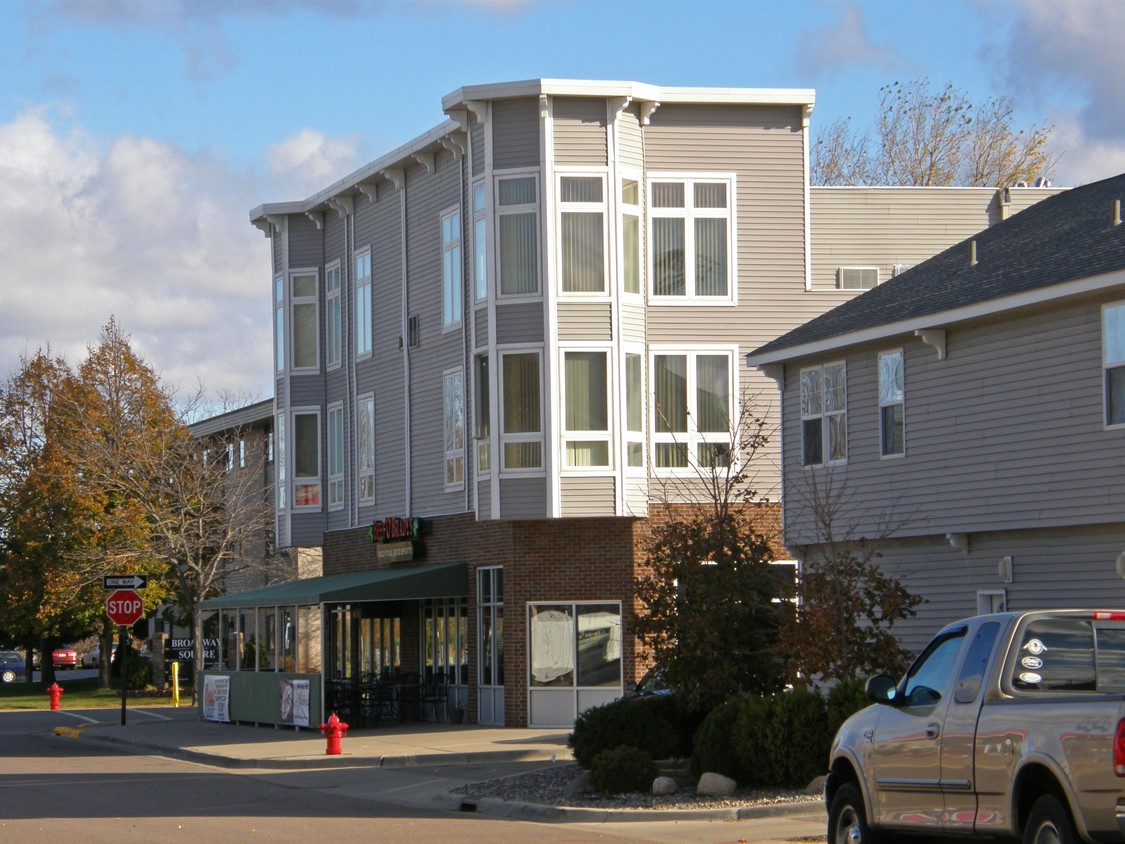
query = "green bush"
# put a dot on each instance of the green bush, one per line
(140, 670)
(846, 698)
(622, 770)
(661, 726)
(712, 749)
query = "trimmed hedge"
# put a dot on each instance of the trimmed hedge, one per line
(660, 725)
(622, 770)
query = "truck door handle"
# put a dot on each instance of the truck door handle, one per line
(933, 730)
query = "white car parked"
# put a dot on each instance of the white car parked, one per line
(93, 657)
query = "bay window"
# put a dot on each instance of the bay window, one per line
(279, 322)
(480, 243)
(587, 408)
(631, 235)
(306, 459)
(306, 320)
(634, 411)
(482, 413)
(582, 234)
(522, 427)
(518, 222)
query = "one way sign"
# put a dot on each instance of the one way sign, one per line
(129, 581)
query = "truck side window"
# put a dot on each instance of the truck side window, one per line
(976, 660)
(1056, 655)
(929, 676)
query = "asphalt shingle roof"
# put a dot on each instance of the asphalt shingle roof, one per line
(1065, 237)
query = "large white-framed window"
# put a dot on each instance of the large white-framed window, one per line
(280, 462)
(586, 408)
(335, 456)
(582, 234)
(693, 395)
(306, 458)
(306, 319)
(634, 410)
(333, 317)
(365, 448)
(480, 242)
(824, 414)
(691, 225)
(521, 391)
(892, 404)
(451, 269)
(279, 322)
(363, 303)
(1113, 362)
(453, 414)
(558, 634)
(517, 217)
(631, 260)
(482, 413)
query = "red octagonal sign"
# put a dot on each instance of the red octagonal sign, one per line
(124, 607)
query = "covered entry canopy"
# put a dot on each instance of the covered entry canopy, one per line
(446, 581)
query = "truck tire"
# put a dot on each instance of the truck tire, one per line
(847, 818)
(1049, 823)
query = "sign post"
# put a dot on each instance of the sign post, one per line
(124, 608)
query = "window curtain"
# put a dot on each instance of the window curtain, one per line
(583, 252)
(710, 257)
(712, 389)
(668, 257)
(670, 376)
(518, 254)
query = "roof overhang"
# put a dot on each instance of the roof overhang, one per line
(444, 581)
(941, 319)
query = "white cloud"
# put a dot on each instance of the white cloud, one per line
(310, 161)
(141, 231)
(846, 43)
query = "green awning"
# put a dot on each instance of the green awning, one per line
(446, 581)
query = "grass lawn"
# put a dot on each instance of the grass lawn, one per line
(80, 694)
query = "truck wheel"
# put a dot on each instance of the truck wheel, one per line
(847, 820)
(1049, 823)
(9, 676)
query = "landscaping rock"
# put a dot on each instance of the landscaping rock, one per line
(664, 785)
(715, 785)
(579, 784)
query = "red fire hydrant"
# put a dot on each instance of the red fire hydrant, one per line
(334, 730)
(55, 691)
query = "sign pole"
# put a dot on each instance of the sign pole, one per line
(123, 646)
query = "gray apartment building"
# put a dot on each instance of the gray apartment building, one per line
(501, 345)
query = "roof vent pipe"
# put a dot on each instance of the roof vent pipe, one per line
(1117, 212)
(972, 253)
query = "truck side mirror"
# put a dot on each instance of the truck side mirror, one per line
(880, 688)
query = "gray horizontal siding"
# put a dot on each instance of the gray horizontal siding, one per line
(484, 500)
(580, 131)
(481, 327)
(476, 144)
(636, 497)
(523, 498)
(633, 322)
(1006, 433)
(591, 321)
(515, 133)
(519, 323)
(587, 496)
(630, 146)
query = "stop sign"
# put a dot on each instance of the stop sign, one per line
(124, 607)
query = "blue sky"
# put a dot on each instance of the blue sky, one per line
(135, 135)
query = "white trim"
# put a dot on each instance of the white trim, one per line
(455, 245)
(306, 480)
(334, 409)
(894, 455)
(357, 283)
(607, 436)
(691, 438)
(535, 208)
(330, 268)
(602, 208)
(499, 464)
(823, 416)
(453, 454)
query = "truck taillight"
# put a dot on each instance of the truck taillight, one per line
(1119, 749)
(1106, 615)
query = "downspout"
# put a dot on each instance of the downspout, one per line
(806, 115)
(348, 348)
(468, 309)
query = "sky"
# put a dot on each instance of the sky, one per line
(136, 135)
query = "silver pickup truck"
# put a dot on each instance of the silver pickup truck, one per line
(1005, 726)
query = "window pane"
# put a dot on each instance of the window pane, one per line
(304, 285)
(304, 336)
(631, 252)
(668, 257)
(838, 437)
(713, 454)
(670, 377)
(668, 195)
(893, 441)
(710, 195)
(551, 638)
(813, 445)
(636, 454)
(671, 455)
(478, 198)
(1113, 333)
(480, 250)
(279, 332)
(518, 254)
(306, 448)
(1115, 395)
(336, 442)
(811, 393)
(710, 257)
(586, 392)
(599, 645)
(713, 393)
(583, 258)
(516, 191)
(633, 393)
(580, 189)
(890, 377)
(630, 192)
(522, 456)
(587, 453)
(835, 391)
(521, 393)
(334, 330)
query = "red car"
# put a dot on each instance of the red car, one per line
(65, 658)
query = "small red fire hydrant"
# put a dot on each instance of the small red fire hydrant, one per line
(334, 730)
(55, 691)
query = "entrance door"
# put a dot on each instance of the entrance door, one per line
(490, 646)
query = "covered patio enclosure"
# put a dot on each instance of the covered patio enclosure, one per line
(336, 631)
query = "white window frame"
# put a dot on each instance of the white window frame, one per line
(693, 438)
(512, 438)
(889, 399)
(860, 274)
(308, 300)
(600, 207)
(689, 214)
(279, 328)
(333, 315)
(363, 313)
(513, 209)
(310, 481)
(452, 271)
(481, 249)
(482, 413)
(1113, 358)
(365, 474)
(336, 456)
(586, 435)
(280, 457)
(635, 210)
(820, 411)
(453, 427)
(638, 436)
